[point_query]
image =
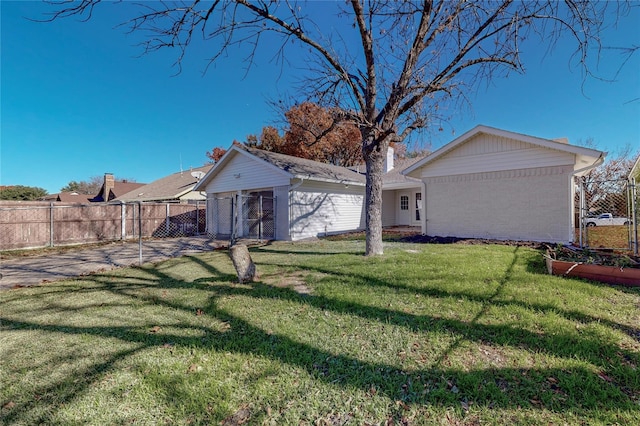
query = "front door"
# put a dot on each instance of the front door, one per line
(404, 206)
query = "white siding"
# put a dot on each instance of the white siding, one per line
(527, 204)
(243, 173)
(321, 208)
(486, 153)
(390, 203)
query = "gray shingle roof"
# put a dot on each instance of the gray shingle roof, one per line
(395, 176)
(307, 169)
(300, 168)
(168, 188)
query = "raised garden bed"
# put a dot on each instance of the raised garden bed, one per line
(605, 267)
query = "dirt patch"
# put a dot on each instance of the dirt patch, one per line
(293, 281)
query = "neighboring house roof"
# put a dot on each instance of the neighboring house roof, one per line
(586, 158)
(68, 197)
(168, 188)
(119, 188)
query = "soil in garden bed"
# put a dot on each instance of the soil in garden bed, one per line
(594, 257)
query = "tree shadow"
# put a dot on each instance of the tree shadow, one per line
(436, 383)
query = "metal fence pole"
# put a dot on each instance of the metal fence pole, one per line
(260, 218)
(580, 212)
(198, 217)
(51, 224)
(123, 221)
(634, 215)
(234, 202)
(166, 220)
(140, 232)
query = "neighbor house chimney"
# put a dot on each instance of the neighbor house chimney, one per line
(109, 184)
(388, 162)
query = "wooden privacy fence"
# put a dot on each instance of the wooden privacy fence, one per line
(38, 224)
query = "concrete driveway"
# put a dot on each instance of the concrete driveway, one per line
(33, 270)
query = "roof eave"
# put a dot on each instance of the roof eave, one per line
(400, 185)
(327, 180)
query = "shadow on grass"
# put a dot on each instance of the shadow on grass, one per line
(576, 389)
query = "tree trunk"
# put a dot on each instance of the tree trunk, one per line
(241, 259)
(373, 202)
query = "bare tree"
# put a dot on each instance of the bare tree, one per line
(391, 65)
(89, 187)
(605, 187)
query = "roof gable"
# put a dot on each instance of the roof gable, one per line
(289, 166)
(583, 157)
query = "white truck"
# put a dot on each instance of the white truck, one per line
(606, 219)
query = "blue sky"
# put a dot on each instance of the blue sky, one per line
(78, 100)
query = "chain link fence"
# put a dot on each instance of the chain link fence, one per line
(27, 225)
(242, 217)
(608, 217)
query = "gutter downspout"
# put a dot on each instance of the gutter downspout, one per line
(595, 164)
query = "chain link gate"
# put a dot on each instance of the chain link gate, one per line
(220, 213)
(607, 213)
(249, 216)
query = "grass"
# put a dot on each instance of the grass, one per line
(427, 334)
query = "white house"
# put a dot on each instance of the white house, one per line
(491, 183)
(271, 195)
(487, 183)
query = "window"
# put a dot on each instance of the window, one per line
(404, 202)
(418, 204)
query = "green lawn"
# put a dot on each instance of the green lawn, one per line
(427, 334)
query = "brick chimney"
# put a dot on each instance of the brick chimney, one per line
(107, 187)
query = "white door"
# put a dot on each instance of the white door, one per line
(404, 208)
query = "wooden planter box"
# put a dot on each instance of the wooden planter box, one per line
(629, 277)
